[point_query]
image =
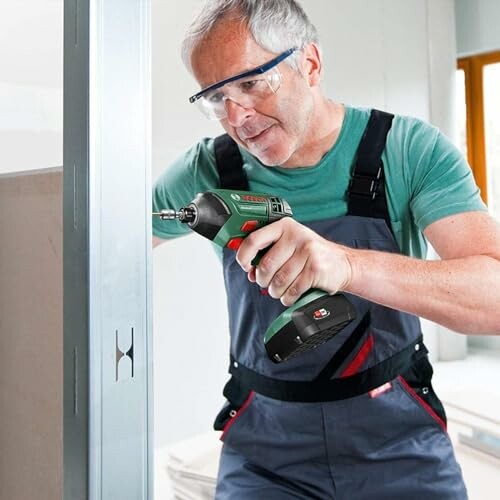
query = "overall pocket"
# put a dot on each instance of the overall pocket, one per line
(230, 414)
(416, 382)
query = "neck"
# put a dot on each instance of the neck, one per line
(324, 129)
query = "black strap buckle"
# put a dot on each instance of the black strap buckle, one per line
(366, 185)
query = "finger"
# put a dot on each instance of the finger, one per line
(273, 260)
(258, 240)
(297, 288)
(251, 275)
(286, 275)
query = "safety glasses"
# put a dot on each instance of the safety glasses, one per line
(247, 89)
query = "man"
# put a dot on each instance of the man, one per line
(365, 188)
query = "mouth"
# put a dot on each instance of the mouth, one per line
(255, 138)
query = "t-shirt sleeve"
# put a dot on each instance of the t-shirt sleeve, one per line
(442, 183)
(190, 174)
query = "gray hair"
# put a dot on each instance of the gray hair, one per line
(276, 25)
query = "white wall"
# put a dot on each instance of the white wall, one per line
(478, 26)
(393, 54)
(31, 98)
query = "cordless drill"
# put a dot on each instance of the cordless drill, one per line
(226, 217)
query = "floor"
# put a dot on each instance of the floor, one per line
(470, 392)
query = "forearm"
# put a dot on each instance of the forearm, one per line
(462, 294)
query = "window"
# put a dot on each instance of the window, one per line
(491, 78)
(478, 92)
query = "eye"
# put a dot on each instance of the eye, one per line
(249, 85)
(215, 98)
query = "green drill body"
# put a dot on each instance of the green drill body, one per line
(226, 217)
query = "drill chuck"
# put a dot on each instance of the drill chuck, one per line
(186, 214)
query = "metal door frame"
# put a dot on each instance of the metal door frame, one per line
(107, 251)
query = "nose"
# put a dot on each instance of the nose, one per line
(237, 114)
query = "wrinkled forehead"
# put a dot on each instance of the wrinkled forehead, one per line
(227, 50)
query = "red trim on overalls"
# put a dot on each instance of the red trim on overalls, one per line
(237, 415)
(360, 358)
(425, 405)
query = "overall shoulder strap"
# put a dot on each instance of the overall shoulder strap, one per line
(229, 164)
(366, 192)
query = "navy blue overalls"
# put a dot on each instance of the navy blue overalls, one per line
(355, 418)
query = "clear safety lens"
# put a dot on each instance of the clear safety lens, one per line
(247, 92)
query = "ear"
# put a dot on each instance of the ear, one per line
(311, 64)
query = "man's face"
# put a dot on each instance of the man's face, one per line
(276, 128)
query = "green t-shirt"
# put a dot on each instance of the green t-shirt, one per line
(426, 179)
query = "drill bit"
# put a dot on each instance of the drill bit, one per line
(168, 214)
